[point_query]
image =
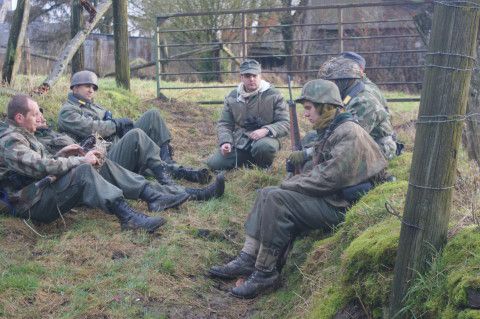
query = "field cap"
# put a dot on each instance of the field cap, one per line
(250, 66)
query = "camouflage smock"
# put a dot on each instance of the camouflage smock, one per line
(268, 105)
(22, 153)
(347, 157)
(79, 119)
(370, 114)
(375, 90)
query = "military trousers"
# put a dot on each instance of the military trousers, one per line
(152, 123)
(278, 215)
(261, 153)
(84, 185)
(136, 152)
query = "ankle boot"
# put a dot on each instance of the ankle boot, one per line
(258, 282)
(130, 219)
(201, 176)
(213, 190)
(166, 153)
(242, 265)
(158, 201)
(162, 176)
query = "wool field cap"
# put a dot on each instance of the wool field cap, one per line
(250, 66)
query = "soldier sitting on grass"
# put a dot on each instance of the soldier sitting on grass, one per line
(254, 117)
(76, 177)
(346, 162)
(54, 141)
(80, 117)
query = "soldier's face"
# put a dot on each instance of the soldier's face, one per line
(310, 112)
(43, 121)
(251, 82)
(32, 119)
(86, 91)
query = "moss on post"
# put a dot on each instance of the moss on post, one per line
(439, 129)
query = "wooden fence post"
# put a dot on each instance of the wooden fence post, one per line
(449, 65)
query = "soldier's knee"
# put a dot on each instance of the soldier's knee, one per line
(264, 148)
(153, 114)
(217, 162)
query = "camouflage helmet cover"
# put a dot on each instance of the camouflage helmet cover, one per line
(84, 77)
(340, 68)
(320, 92)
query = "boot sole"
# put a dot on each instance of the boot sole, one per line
(148, 230)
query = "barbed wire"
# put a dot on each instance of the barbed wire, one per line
(434, 119)
(453, 4)
(431, 187)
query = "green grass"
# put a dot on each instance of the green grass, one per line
(91, 269)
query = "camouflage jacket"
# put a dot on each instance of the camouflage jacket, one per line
(346, 157)
(22, 154)
(80, 119)
(52, 140)
(370, 114)
(375, 90)
(268, 106)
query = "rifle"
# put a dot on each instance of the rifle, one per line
(294, 130)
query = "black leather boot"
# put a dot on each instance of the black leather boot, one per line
(213, 190)
(201, 176)
(258, 282)
(242, 265)
(162, 176)
(166, 153)
(158, 201)
(130, 219)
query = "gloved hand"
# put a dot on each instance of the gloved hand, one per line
(123, 126)
(298, 158)
(289, 167)
(108, 116)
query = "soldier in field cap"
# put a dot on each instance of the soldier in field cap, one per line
(254, 117)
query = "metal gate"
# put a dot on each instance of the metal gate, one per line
(214, 52)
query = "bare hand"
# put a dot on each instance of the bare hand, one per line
(258, 134)
(92, 157)
(70, 150)
(225, 149)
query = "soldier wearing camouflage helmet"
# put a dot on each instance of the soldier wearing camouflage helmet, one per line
(136, 146)
(345, 157)
(361, 102)
(369, 85)
(254, 117)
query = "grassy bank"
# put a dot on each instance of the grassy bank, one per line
(87, 268)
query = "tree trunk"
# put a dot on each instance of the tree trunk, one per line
(67, 54)
(120, 35)
(439, 129)
(15, 41)
(76, 23)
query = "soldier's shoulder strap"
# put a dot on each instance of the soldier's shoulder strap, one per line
(353, 92)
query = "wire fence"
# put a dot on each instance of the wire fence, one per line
(189, 50)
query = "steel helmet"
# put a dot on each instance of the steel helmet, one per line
(84, 77)
(340, 68)
(320, 92)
